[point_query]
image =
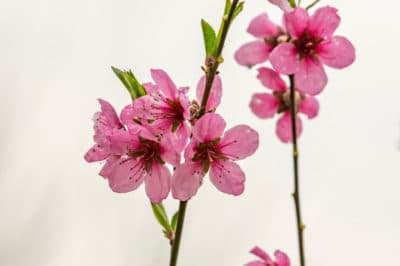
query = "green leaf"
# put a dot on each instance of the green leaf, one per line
(292, 3)
(238, 9)
(174, 220)
(209, 37)
(130, 82)
(161, 216)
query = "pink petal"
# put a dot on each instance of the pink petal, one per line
(264, 105)
(284, 127)
(109, 112)
(239, 142)
(282, 4)
(270, 79)
(311, 77)
(296, 21)
(324, 22)
(128, 114)
(309, 106)
(253, 53)
(157, 183)
(164, 83)
(107, 168)
(150, 88)
(262, 27)
(337, 52)
(185, 104)
(141, 108)
(284, 58)
(190, 149)
(169, 150)
(122, 142)
(126, 175)
(261, 254)
(95, 154)
(215, 95)
(281, 258)
(209, 127)
(227, 177)
(186, 180)
(256, 263)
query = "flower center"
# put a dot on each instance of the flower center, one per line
(149, 152)
(207, 152)
(307, 44)
(177, 113)
(284, 100)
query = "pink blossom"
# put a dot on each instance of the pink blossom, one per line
(141, 158)
(269, 36)
(266, 105)
(312, 45)
(281, 259)
(282, 4)
(215, 94)
(166, 106)
(105, 123)
(211, 149)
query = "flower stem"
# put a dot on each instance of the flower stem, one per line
(296, 193)
(215, 59)
(178, 234)
(312, 4)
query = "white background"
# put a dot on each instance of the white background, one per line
(54, 210)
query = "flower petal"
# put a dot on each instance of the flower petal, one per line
(190, 149)
(109, 112)
(261, 254)
(284, 127)
(141, 108)
(128, 113)
(126, 175)
(215, 94)
(122, 142)
(262, 27)
(271, 79)
(109, 165)
(264, 105)
(311, 77)
(281, 258)
(253, 53)
(95, 154)
(164, 83)
(157, 183)
(169, 149)
(255, 263)
(337, 52)
(296, 21)
(309, 106)
(227, 177)
(324, 22)
(239, 142)
(282, 4)
(209, 127)
(186, 180)
(284, 58)
(150, 88)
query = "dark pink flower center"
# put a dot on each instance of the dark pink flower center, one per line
(207, 152)
(306, 45)
(274, 41)
(173, 112)
(149, 152)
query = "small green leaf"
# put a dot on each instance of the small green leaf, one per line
(238, 9)
(130, 82)
(292, 3)
(161, 216)
(209, 37)
(174, 220)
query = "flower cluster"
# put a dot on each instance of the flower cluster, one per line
(299, 48)
(155, 129)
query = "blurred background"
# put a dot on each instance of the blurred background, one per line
(55, 209)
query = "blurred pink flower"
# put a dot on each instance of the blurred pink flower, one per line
(266, 105)
(166, 106)
(269, 36)
(281, 259)
(210, 149)
(282, 4)
(312, 45)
